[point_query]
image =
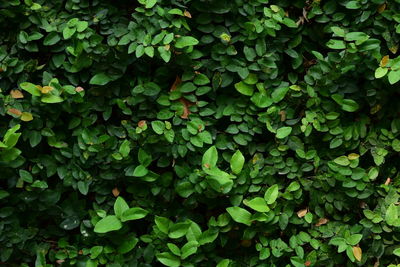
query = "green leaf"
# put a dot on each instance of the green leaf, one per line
(201, 79)
(140, 171)
(100, 79)
(150, 3)
(185, 41)
(133, 214)
(283, 132)
(178, 230)
(158, 127)
(336, 44)
(168, 259)
(188, 249)
(394, 76)
(392, 215)
(349, 105)
(354, 239)
(162, 223)
(237, 162)
(210, 158)
(25, 176)
(108, 224)
(380, 72)
(51, 99)
(30, 88)
(271, 194)
(174, 249)
(397, 252)
(224, 263)
(244, 88)
(240, 215)
(125, 148)
(342, 161)
(40, 184)
(120, 206)
(258, 204)
(51, 39)
(279, 94)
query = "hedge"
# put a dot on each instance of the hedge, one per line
(199, 133)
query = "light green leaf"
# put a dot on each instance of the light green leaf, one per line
(185, 41)
(342, 161)
(240, 215)
(271, 194)
(392, 215)
(283, 132)
(120, 206)
(394, 76)
(30, 88)
(189, 249)
(258, 204)
(244, 88)
(150, 3)
(210, 158)
(380, 72)
(108, 224)
(168, 259)
(133, 214)
(237, 162)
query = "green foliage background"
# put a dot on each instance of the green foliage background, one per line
(199, 133)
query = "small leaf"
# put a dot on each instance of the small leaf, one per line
(185, 41)
(357, 252)
(16, 94)
(394, 76)
(302, 213)
(189, 249)
(271, 194)
(108, 224)
(150, 3)
(283, 132)
(237, 162)
(120, 206)
(244, 88)
(100, 79)
(258, 204)
(168, 259)
(26, 116)
(30, 88)
(380, 72)
(210, 158)
(133, 214)
(240, 215)
(342, 161)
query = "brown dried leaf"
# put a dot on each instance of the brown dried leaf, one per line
(79, 89)
(388, 181)
(14, 111)
(141, 123)
(175, 84)
(302, 213)
(115, 192)
(322, 221)
(16, 94)
(357, 252)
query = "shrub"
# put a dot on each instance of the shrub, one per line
(199, 133)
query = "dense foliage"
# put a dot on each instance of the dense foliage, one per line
(199, 133)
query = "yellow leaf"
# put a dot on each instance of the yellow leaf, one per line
(26, 116)
(353, 156)
(302, 213)
(381, 8)
(16, 94)
(384, 61)
(187, 14)
(46, 89)
(394, 49)
(357, 252)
